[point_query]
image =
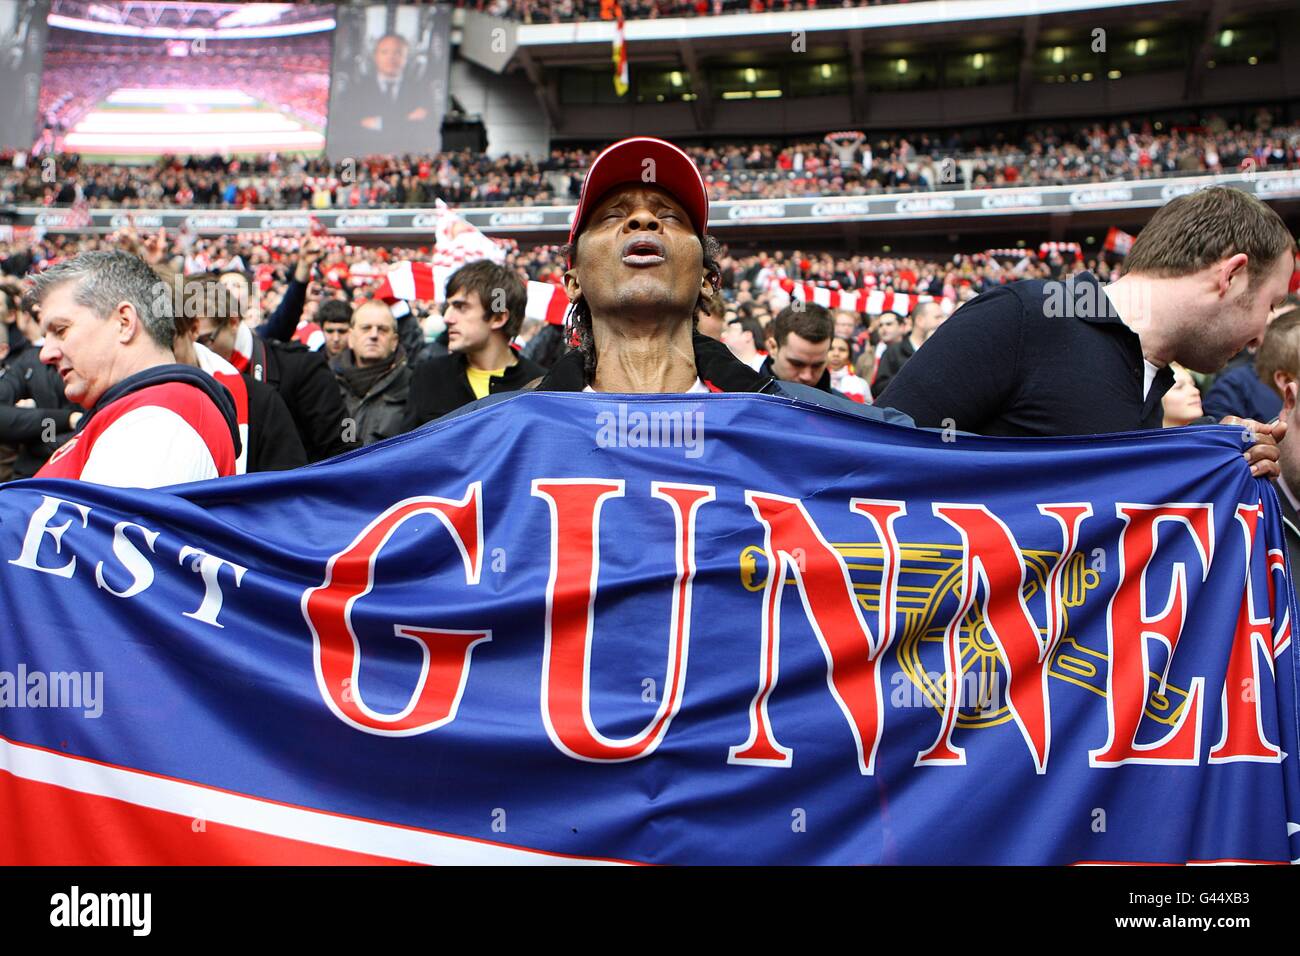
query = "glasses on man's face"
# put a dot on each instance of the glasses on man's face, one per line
(207, 338)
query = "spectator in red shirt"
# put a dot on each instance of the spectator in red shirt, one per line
(150, 422)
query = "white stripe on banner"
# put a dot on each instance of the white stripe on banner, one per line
(251, 813)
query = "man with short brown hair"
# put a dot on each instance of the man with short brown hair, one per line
(1074, 357)
(925, 318)
(800, 344)
(484, 310)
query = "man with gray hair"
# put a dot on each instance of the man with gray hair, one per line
(108, 325)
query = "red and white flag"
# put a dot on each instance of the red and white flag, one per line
(867, 301)
(620, 53)
(421, 280)
(1118, 241)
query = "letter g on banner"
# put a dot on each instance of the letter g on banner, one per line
(350, 574)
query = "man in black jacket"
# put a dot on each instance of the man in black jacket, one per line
(281, 324)
(1076, 357)
(373, 377)
(925, 318)
(481, 361)
(387, 109)
(34, 414)
(641, 265)
(801, 345)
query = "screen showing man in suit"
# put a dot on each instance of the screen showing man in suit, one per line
(389, 81)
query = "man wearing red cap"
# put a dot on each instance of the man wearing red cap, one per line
(641, 267)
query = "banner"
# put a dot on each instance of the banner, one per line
(660, 629)
(726, 216)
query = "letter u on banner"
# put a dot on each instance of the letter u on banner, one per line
(575, 505)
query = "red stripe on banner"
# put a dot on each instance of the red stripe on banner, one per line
(1187, 863)
(112, 832)
(144, 812)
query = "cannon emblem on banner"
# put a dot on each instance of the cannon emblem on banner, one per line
(928, 594)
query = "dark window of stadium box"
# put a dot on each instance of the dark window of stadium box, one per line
(1064, 57)
(1151, 52)
(981, 67)
(586, 87)
(663, 86)
(1244, 43)
(897, 72)
(746, 82)
(818, 79)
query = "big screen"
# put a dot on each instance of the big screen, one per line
(130, 82)
(391, 69)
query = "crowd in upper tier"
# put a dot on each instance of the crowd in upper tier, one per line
(834, 165)
(567, 11)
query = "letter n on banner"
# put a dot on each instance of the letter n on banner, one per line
(853, 656)
(991, 556)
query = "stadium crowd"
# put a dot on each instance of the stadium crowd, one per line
(567, 11)
(838, 164)
(351, 370)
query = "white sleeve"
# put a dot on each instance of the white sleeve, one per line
(149, 447)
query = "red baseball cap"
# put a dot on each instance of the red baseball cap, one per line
(624, 162)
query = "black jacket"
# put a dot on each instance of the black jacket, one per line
(283, 322)
(891, 361)
(1032, 357)
(362, 97)
(442, 385)
(25, 377)
(273, 442)
(381, 412)
(720, 371)
(307, 386)
(823, 383)
(717, 368)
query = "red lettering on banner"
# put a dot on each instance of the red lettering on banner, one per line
(991, 555)
(1278, 584)
(1243, 739)
(852, 655)
(446, 654)
(1129, 628)
(575, 506)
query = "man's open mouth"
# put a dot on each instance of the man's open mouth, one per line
(644, 251)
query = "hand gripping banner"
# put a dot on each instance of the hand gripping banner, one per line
(723, 629)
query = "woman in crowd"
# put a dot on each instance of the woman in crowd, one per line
(1182, 403)
(839, 361)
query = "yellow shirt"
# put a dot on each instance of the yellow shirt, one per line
(480, 379)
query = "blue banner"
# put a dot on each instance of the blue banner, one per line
(715, 629)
